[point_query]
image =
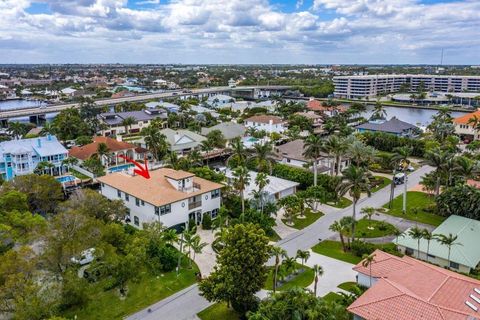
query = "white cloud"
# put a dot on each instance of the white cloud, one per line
(256, 30)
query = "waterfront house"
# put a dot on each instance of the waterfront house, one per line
(170, 197)
(20, 157)
(392, 126)
(182, 141)
(406, 289)
(230, 130)
(465, 129)
(113, 121)
(267, 123)
(464, 257)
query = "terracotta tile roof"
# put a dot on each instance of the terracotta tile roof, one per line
(156, 190)
(265, 119)
(316, 105)
(416, 290)
(86, 151)
(464, 119)
(384, 264)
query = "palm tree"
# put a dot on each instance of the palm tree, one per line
(337, 226)
(416, 234)
(465, 168)
(437, 158)
(264, 157)
(155, 141)
(427, 235)
(290, 265)
(369, 212)
(188, 240)
(195, 158)
(448, 241)
(379, 112)
(400, 158)
(398, 234)
(241, 181)
(238, 153)
(354, 181)
(312, 149)
(197, 246)
(170, 236)
(47, 129)
(318, 270)
(43, 166)
(278, 253)
(127, 123)
(303, 255)
(103, 151)
(337, 147)
(368, 260)
(206, 146)
(70, 161)
(16, 129)
(361, 154)
(172, 160)
(261, 180)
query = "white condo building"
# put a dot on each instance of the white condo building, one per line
(171, 197)
(362, 86)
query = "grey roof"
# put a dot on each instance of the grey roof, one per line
(293, 150)
(230, 130)
(393, 125)
(182, 139)
(43, 146)
(116, 118)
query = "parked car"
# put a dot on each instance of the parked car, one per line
(86, 257)
(399, 178)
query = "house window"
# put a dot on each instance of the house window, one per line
(454, 265)
(215, 194)
(157, 211)
(127, 197)
(166, 209)
(214, 213)
(137, 202)
(143, 202)
(136, 221)
(119, 193)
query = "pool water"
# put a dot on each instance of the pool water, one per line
(252, 139)
(65, 179)
(123, 167)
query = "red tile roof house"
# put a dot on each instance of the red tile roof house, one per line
(316, 105)
(266, 122)
(409, 289)
(116, 148)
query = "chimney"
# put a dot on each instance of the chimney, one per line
(39, 143)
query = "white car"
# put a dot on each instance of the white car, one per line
(86, 257)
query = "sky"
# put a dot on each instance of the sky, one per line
(240, 31)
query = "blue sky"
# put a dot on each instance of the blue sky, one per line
(240, 31)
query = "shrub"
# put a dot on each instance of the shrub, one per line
(168, 257)
(359, 248)
(461, 200)
(388, 142)
(207, 221)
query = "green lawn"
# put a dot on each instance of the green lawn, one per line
(385, 183)
(301, 280)
(418, 200)
(333, 249)
(218, 311)
(148, 290)
(343, 203)
(380, 229)
(331, 297)
(347, 286)
(309, 218)
(78, 174)
(274, 237)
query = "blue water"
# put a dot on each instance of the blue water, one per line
(20, 104)
(134, 88)
(123, 167)
(65, 179)
(252, 139)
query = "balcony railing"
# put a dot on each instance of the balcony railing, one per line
(193, 205)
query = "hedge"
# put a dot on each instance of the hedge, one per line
(388, 142)
(452, 201)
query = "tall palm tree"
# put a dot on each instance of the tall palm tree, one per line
(127, 123)
(448, 241)
(400, 159)
(155, 141)
(279, 253)
(398, 234)
(195, 158)
(103, 151)
(264, 157)
(170, 236)
(437, 158)
(465, 168)
(197, 246)
(369, 212)
(318, 270)
(261, 181)
(238, 152)
(338, 226)
(379, 111)
(303, 255)
(427, 235)
(47, 128)
(355, 180)
(68, 162)
(368, 260)
(43, 166)
(336, 147)
(416, 234)
(312, 149)
(361, 154)
(207, 146)
(241, 181)
(17, 129)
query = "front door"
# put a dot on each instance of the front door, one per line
(199, 217)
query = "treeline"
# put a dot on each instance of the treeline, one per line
(388, 142)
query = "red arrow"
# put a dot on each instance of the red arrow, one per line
(143, 171)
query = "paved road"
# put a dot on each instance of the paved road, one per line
(5, 114)
(184, 305)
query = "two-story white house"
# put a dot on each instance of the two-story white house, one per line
(170, 196)
(267, 123)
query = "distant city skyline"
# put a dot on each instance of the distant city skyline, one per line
(240, 31)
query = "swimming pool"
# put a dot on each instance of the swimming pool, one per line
(65, 179)
(123, 167)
